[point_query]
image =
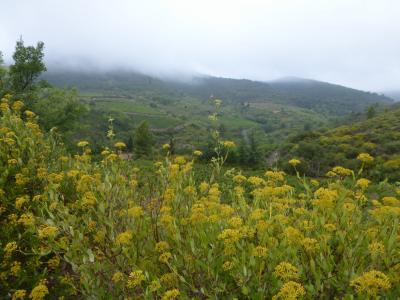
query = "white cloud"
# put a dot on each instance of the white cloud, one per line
(350, 42)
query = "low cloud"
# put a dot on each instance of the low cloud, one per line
(349, 42)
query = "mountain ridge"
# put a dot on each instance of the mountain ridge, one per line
(305, 93)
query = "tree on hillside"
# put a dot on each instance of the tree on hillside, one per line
(27, 67)
(249, 151)
(143, 140)
(255, 153)
(371, 112)
(129, 144)
(59, 108)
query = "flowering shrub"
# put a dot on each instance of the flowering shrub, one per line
(78, 228)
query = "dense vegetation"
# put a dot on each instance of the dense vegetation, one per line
(81, 229)
(378, 135)
(83, 220)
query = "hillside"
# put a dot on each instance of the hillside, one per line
(310, 94)
(180, 109)
(322, 150)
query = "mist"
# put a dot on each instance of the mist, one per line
(349, 42)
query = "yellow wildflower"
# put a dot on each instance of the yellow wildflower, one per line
(204, 187)
(124, 238)
(294, 162)
(135, 278)
(170, 279)
(342, 171)
(88, 200)
(17, 105)
(310, 244)
(371, 283)
(180, 160)
(105, 152)
(254, 180)
(20, 179)
(29, 114)
(10, 247)
(53, 262)
(15, 268)
(286, 271)
(154, 286)
(117, 277)
(171, 294)
(330, 227)
(229, 144)
(391, 201)
(12, 162)
(20, 201)
(39, 292)
(165, 257)
(239, 178)
(293, 235)
(365, 158)
(376, 248)
(228, 265)
(19, 295)
(27, 219)
(260, 251)
(290, 291)
(257, 214)
(82, 144)
(197, 153)
(136, 211)
(162, 246)
(47, 231)
(119, 145)
(235, 222)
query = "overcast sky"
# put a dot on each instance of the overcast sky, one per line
(351, 42)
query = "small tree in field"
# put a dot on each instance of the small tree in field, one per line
(143, 140)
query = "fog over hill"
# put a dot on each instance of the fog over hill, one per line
(352, 43)
(395, 95)
(299, 92)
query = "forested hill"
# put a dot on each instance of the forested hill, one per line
(315, 95)
(378, 135)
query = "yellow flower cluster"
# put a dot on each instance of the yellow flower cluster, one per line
(135, 278)
(124, 238)
(39, 292)
(290, 291)
(286, 271)
(371, 283)
(47, 231)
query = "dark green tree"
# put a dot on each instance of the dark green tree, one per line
(143, 141)
(243, 152)
(27, 67)
(171, 144)
(129, 144)
(255, 156)
(371, 112)
(59, 108)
